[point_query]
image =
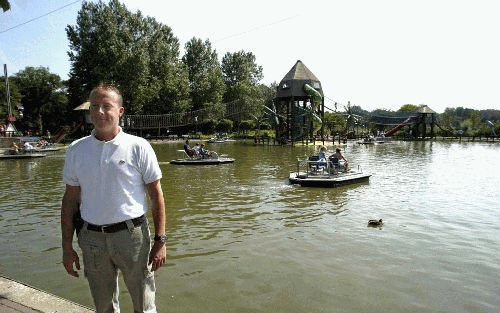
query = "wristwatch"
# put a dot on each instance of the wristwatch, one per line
(163, 238)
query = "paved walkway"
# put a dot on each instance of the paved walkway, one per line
(16, 297)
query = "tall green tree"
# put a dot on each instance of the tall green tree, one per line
(447, 119)
(334, 122)
(475, 119)
(241, 75)
(141, 56)
(268, 93)
(206, 86)
(43, 98)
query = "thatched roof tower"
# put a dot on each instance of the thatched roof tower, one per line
(292, 85)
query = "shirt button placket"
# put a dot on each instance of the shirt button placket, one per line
(102, 165)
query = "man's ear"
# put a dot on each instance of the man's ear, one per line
(122, 109)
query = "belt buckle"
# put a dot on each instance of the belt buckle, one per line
(103, 227)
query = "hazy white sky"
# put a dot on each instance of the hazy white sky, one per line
(376, 54)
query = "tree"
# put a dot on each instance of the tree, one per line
(136, 53)
(241, 75)
(247, 125)
(268, 93)
(224, 126)
(334, 122)
(475, 120)
(5, 5)
(206, 86)
(447, 118)
(43, 98)
(408, 108)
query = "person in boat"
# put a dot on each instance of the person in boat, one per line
(322, 159)
(27, 147)
(204, 152)
(107, 175)
(42, 143)
(196, 149)
(14, 148)
(190, 152)
(338, 156)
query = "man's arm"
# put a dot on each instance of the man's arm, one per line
(70, 205)
(158, 253)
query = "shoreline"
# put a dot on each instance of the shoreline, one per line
(19, 297)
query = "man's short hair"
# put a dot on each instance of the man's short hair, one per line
(107, 87)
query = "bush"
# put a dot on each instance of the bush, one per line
(265, 125)
(247, 125)
(208, 126)
(224, 126)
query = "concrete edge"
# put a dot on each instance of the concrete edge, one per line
(37, 299)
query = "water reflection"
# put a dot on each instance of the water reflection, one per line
(243, 239)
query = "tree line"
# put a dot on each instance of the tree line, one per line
(452, 122)
(141, 56)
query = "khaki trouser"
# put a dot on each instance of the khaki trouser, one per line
(126, 250)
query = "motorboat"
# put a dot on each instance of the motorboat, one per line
(330, 173)
(211, 159)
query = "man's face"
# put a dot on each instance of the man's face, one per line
(105, 110)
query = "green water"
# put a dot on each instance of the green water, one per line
(243, 240)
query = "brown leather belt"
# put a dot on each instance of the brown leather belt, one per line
(113, 228)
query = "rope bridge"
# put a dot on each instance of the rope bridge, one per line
(156, 121)
(394, 120)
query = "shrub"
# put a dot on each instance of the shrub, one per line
(247, 125)
(208, 126)
(224, 126)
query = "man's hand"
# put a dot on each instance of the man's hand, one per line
(69, 257)
(157, 255)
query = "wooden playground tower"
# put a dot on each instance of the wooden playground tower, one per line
(299, 105)
(425, 116)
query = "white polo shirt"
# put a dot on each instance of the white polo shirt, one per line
(112, 176)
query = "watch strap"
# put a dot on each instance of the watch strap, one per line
(161, 238)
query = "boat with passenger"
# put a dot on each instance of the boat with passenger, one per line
(212, 158)
(17, 152)
(21, 155)
(46, 149)
(220, 140)
(371, 140)
(316, 172)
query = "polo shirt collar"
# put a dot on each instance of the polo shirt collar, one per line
(118, 138)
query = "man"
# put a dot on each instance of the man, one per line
(106, 176)
(190, 152)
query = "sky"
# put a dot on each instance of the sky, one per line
(376, 54)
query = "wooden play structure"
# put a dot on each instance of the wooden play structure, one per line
(299, 106)
(417, 123)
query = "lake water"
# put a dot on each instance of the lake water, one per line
(243, 240)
